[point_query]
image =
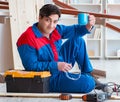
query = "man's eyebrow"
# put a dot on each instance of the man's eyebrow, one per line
(54, 20)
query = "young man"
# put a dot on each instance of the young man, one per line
(40, 48)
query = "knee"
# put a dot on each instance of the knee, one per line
(89, 84)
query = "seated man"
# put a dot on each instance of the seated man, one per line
(40, 49)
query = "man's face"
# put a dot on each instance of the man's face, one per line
(48, 24)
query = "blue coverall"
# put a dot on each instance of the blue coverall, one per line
(39, 53)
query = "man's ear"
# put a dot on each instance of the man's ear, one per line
(40, 17)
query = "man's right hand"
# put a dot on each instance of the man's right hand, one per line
(63, 66)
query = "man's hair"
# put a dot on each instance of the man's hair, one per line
(48, 10)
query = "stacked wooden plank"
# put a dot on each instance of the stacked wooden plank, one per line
(4, 5)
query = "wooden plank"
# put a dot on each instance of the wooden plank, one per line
(98, 73)
(26, 14)
(63, 5)
(14, 24)
(98, 16)
(2, 19)
(23, 14)
(47, 95)
(100, 21)
(112, 27)
(4, 2)
(4, 7)
(30, 13)
(76, 12)
(39, 4)
(72, 11)
(32, 95)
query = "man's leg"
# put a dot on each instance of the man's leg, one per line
(84, 84)
(75, 50)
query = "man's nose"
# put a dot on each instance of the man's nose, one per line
(52, 24)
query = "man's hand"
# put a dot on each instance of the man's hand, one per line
(91, 22)
(63, 66)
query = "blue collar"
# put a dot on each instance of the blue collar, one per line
(36, 31)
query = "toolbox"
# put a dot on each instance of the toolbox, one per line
(27, 81)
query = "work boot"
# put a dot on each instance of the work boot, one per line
(104, 87)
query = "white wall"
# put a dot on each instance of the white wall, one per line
(6, 60)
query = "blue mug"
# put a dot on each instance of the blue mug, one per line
(82, 18)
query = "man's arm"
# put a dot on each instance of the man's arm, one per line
(31, 61)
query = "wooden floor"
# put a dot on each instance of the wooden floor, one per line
(112, 67)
